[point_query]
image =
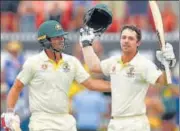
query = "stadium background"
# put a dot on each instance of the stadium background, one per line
(21, 19)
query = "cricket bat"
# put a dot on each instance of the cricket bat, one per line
(160, 33)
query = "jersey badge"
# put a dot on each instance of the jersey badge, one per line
(66, 67)
(130, 72)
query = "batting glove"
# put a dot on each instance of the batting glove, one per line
(8, 120)
(167, 55)
(86, 37)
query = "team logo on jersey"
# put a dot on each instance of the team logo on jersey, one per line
(130, 72)
(44, 66)
(66, 67)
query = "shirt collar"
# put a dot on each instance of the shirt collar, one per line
(44, 56)
(135, 59)
(132, 62)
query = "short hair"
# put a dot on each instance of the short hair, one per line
(133, 28)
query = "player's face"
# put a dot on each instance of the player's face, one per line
(58, 42)
(128, 40)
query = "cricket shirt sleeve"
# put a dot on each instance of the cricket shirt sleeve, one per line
(152, 72)
(106, 65)
(80, 73)
(26, 74)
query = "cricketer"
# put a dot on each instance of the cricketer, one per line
(49, 75)
(131, 74)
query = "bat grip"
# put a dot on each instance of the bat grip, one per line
(168, 73)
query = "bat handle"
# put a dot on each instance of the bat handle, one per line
(168, 73)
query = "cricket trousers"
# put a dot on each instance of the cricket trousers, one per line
(133, 123)
(52, 122)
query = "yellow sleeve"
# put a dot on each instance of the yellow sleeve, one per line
(74, 89)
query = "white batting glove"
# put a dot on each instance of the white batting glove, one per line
(167, 55)
(86, 37)
(8, 119)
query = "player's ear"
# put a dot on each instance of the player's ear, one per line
(138, 43)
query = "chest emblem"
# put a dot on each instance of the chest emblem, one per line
(130, 72)
(66, 67)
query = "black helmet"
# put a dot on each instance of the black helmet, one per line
(98, 18)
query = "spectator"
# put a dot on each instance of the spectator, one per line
(177, 113)
(27, 17)
(155, 109)
(118, 8)
(55, 13)
(89, 108)
(62, 10)
(114, 27)
(79, 8)
(77, 20)
(176, 74)
(85, 4)
(175, 80)
(12, 65)
(9, 17)
(169, 18)
(9, 6)
(39, 9)
(137, 16)
(9, 22)
(169, 116)
(12, 62)
(67, 15)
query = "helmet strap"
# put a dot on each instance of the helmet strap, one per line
(54, 50)
(46, 44)
(54, 55)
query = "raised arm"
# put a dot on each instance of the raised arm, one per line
(166, 56)
(90, 57)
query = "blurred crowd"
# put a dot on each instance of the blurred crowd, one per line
(91, 109)
(26, 16)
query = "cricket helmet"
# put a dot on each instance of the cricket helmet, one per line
(49, 29)
(98, 18)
